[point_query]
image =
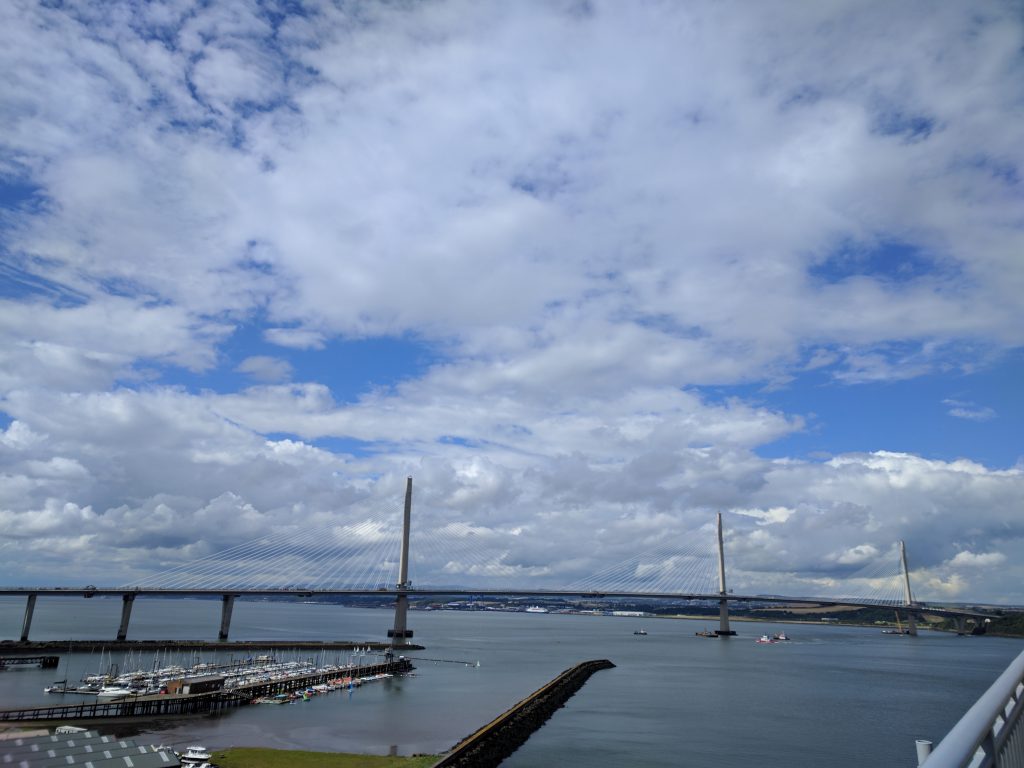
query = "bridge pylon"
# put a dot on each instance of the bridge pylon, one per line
(723, 603)
(908, 596)
(401, 634)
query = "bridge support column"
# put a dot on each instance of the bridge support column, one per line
(26, 623)
(961, 624)
(911, 624)
(723, 604)
(127, 600)
(226, 606)
(401, 634)
(908, 596)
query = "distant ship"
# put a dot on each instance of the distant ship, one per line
(536, 609)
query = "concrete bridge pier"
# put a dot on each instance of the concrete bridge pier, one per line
(401, 634)
(26, 623)
(127, 600)
(226, 606)
(908, 596)
(911, 623)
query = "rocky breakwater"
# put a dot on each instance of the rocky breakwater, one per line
(501, 737)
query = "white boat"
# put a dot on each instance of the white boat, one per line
(195, 755)
(536, 609)
(114, 692)
(765, 639)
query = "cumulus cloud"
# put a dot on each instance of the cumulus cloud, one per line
(606, 254)
(980, 559)
(857, 555)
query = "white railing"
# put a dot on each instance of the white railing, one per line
(990, 734)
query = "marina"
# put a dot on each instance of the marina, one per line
(203, 687)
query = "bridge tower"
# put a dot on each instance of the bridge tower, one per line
(723, 603)
(401, 634)
(908, 597)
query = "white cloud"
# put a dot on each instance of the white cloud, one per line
(265, 368)
(767, 516)
(592, 217)
(858, 555)
(969, 411)
(296, 338)
(978, 560)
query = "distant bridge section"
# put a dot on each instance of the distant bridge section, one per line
(227, 599)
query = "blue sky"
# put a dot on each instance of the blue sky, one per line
(975, 416)
(615, 268)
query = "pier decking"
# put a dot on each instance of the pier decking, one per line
(162, 705)
(46, 662)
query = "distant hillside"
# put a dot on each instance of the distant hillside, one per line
(1008, 624)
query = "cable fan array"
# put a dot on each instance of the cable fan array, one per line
(880, 582)
(363, 556)
(662, 570)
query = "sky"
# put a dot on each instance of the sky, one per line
(589, 272)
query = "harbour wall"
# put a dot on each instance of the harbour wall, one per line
(490, 745)
(88, 646)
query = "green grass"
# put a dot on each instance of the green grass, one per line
(251, 757)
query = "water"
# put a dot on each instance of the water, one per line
(842, 696)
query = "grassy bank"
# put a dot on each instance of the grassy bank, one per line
(251, 757)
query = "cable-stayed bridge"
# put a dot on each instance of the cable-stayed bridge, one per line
(373, 558)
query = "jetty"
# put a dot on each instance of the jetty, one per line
(46, 662)
(192, 703)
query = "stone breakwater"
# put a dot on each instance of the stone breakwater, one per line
(490, 745)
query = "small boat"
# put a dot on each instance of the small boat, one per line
(536, 609)
(195, 755)
(764, 639)
(640, 632)
(706, 633)
(114, 692)
(899, 628)
(780, 637)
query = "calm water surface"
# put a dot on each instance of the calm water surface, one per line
(841, 696)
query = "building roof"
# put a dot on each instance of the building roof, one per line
(87, 749)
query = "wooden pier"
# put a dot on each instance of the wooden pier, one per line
(163, 705)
